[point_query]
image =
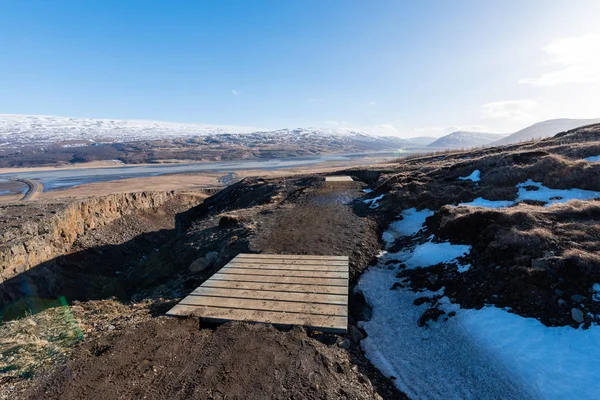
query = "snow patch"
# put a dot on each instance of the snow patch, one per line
(552, 196)
(373, 203)
(559, 362)
(411, 223)
(439, 362)
(474, 177)
(464, 268)
(593, 159)
(481, 202)
(367, 190)
(487, 353)
(596, 290)
(429, 253)
(542, 193)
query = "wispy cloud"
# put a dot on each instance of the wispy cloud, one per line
(576, 60)
(236, 92)
(517, 110)
(371, 103)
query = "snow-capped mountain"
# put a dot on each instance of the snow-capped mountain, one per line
(29, 140)
(44, 130)
(545, 129)
(465, 139)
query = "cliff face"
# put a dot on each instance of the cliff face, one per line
(53, 229)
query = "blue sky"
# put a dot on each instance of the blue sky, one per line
(406, 68)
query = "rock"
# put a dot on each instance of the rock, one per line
(548, 254)
(539, 263)
(561, 302)
(420, 300)
(559, 292)
(355, 334)
(205, 262)
(228, 221)
(111, 328)
(577, 315)
(577, 298)
(345, 344)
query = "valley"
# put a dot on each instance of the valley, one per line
(455, 259)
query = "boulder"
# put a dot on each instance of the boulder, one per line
(577, 315)
(228, 221)
(577, 298)
(205, 262)
(355, 334)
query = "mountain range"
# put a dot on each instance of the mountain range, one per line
(28, 140)
(466, 139)
(545, 129)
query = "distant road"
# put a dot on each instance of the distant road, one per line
(34, 189)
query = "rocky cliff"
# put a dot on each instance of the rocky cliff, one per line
(31, 235)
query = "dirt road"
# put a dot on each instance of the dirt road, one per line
(35, 188)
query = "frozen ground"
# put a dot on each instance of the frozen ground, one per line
(439, 362)
(475, 354)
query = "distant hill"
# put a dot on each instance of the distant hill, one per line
(465, 139)
(545, 129)
(422, 140)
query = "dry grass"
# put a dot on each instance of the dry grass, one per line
(34, 344)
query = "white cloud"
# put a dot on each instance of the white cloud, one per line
(331, 122)
(578, 58)
(517, 110)
(236, 92)
(371, 103)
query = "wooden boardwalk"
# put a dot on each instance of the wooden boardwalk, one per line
(283, 290)
(339, 178)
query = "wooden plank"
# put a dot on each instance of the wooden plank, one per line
(320, 322)
(339, 299)
(284, 290)
(321, 289)
(273, 266)
(293, 256)
(339, 178)
(290, 262)
(265, 305)
(281, 280)
(291, 273)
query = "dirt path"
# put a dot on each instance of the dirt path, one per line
(320, 221)
(172, 358)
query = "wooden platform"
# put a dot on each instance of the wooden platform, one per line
(284, 290)
(339, 178)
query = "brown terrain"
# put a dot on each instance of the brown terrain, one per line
(101, 281)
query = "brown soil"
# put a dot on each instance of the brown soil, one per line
(166, 357)
(320, 220)
(169, 358)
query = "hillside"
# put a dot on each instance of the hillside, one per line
(544, 129)
(470, 264)
(422, 140)
(465, 140)
(42, 140)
